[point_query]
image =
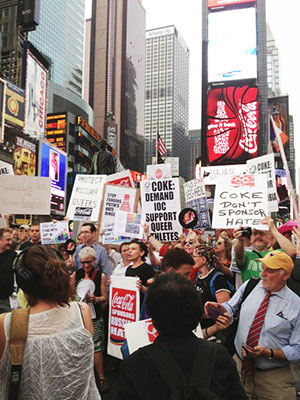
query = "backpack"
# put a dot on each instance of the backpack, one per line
(200, 377)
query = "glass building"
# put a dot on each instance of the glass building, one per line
(60, 39)
(167, 94)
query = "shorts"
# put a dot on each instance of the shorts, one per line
(98, 336)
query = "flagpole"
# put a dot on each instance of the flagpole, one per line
(157, 143)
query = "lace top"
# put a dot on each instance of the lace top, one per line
(58, 358)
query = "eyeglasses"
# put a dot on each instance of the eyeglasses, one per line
(88, 262)
(219, 243)
(189, 242)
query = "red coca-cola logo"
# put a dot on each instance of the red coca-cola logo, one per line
(158, 173)
(123, 301)
(151, 331)
(242, 180)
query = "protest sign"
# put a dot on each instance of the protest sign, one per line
(195, 197)
(161, 207)
(129, 225)
(25, 195)
(240, 200)
(86, 198)
(6, 168)
(159, 171)
(54, 232)
(124, 307)
(122, 178)
(109, 236)
(210, 174)
(3, 223)
(266, 165)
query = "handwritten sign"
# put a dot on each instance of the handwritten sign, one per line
(124, 307)
(6, 168)
(211, 174)
(195, 198)
(240, 200)
(25, 195)
(86, 197)
(161, 206)
(54, 232)
(266, 165)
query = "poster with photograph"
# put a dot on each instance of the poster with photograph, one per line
(195, 197)
(129, 225)
(24, 157)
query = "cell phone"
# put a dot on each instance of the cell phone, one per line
(213, 313)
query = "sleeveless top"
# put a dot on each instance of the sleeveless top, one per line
(58, 358)
(95, 276)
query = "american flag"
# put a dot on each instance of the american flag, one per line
(160, 146)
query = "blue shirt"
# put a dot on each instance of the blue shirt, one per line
(102, 261)
(281, 328)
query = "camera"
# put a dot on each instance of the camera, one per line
(246, 232)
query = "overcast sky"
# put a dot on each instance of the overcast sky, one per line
(283, 18)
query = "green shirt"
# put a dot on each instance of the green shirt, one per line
(251, 267)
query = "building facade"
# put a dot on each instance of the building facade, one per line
(273, 68)
(194, 150)
(167, 94)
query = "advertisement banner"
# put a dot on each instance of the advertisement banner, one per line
(86, 198)
(35, 97)
(240, 200)
(159, 171)
(25, 195)
(6, 168)
(232, 45)
(161, 207)
(122, 178)
(266, 165)
(24, 157)
(56, 130)
(14, 104)
(195, 197)
(232, 125)
(129, 225)
(218, 3)
(124, 307)
(279, 107)
(54, 232)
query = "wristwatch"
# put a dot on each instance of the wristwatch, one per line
(271, 356)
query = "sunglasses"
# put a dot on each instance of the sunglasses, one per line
(189, 242)
(219, 242)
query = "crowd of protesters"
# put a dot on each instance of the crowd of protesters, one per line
(243, 285)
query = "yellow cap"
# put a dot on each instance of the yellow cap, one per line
(278, 259)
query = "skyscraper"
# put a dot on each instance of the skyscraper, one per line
(59, 37)
(167, 94)
(116, 87)
(273, 70)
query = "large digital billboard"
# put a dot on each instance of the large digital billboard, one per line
(35, 97)
(279, 108)
(56, 130)
(53, 164)
(24, 157)
(14, 104)
(232, 124)
(218, 3)
(232, 45)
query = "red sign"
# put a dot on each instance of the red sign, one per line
(123, 311)
(218, 3)
(232, 124)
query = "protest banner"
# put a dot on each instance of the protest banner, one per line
(86, 198)
(25, 195)
(3, 223)
(161, 207)
(124, 307)
(122, 178)
(240, 200)
(109, 236)
(6, 168)
(128, 225)
(54, 232)
(266, 165)
(159, 171)
(195, 197)
(210, 174)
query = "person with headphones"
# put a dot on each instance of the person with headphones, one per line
(59, 345)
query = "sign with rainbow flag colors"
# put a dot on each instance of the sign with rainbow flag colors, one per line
(54, 232)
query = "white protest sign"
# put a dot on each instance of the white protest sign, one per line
(86, 198)
(210, 174)
(6, 168)
(54, 232)
(122, 178)
(159, 171)
(129, 225)
(240, 200)
(117, 198)
(25, 195)
(109, 236)
(266, 165)
(160, 207)
(124, 307)
(3, 223)
(195, 197)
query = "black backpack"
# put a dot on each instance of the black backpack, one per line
(201, 375)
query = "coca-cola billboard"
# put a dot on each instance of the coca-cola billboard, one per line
(218, 3)
(232, 125)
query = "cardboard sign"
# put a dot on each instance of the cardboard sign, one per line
(124, 307)
(240, 200)
(86, 198)
(211, 174)
(266, 165)
(25, 195)
(123, 178)
(159, 171)
(195, 197)
(161, 207)
(54, 232)
(6, 168)
(129, 225)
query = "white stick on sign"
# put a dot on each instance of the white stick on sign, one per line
(240, 200)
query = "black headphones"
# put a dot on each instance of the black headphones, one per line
(24, 277)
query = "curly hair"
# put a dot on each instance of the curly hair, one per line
(208, 252)
(174, 304)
